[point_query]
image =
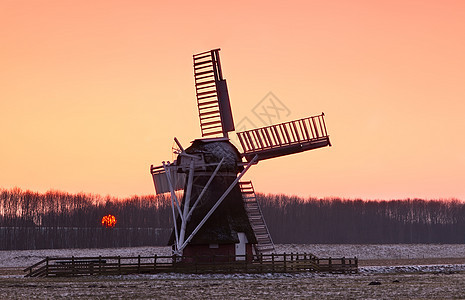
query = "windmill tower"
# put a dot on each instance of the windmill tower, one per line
(218, 214)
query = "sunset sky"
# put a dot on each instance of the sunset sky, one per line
(93, 92)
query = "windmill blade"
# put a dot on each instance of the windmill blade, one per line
(212, 95)
(160, 179)
(285, 138)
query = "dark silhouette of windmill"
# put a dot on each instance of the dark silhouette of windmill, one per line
(218, 214)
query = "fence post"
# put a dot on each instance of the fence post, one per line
(292, 261)
(343, 261)
(46, 266)
(155, 262)
(329, 265)
(73, 266)
(272, 260)
(138, 263)
(285, 262)
(100, 265)
(173, 261)
(119, 264)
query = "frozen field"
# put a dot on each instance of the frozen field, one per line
(401, 271)
(24, 258)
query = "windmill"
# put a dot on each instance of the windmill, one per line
(218, 214)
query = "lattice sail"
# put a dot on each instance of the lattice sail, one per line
(285, 138)
(212, 95)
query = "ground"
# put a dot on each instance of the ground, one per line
(388, 276)
(322, 286)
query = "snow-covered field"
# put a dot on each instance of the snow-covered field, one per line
(24, 258)
(378, 251)
(375, 281)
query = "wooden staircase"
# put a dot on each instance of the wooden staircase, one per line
(264, 241)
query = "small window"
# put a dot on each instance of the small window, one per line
(213, 246)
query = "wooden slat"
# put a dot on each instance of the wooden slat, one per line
(283, 127)
(316, 129)
(250, 139)
(203, 77)
(213, 132)
(205, 82)
(206, 97)
(200, 56)
(202, 62)
(202, 73)
(296, 132)
(242, 142)
(203, 67)
(206, 93)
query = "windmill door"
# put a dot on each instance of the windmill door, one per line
(241, 246)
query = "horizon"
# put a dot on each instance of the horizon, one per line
(167, 195)
(94, 93)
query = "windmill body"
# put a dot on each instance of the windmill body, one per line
(228, 227)
(217, 213)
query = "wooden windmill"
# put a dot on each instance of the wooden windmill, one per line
(218, 214)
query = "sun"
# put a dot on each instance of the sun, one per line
(108, 221)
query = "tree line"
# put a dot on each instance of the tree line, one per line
(409, 221)
(55, 219)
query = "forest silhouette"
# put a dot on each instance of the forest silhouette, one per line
(55, 219)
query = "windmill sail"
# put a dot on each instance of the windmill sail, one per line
(160, 180)
(212, 95)
(285, 138)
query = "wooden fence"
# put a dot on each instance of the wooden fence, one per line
(117, 265)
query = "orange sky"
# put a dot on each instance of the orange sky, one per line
(93, 92)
